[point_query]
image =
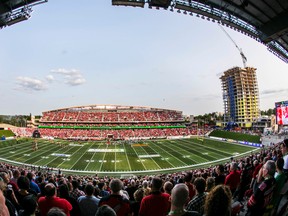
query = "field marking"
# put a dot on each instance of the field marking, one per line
(196, 148)
(151, 157)
(177, 145)
(158, 146)
(115, 159)
(72, 156)
(91, 157)
(66, 150)
(138, 157)
(39, 152)
(211, 149)
(127, 157)
(103, 159)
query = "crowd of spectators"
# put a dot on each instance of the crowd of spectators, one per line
(254, 185)
(123, 134)
(93, 116)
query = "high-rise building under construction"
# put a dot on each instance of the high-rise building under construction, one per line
(240, 96)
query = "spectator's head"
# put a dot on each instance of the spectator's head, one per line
(75, 184)
(269, 168)
(218, 201)
(29, 204)
(101, 185)
(116, 185)
(89, 189)
(179, 195)
(138, 195)
(16, 174)
(234, 166)
(280, 164)
(200, 184)
(188, 177)
(210, 183)
(5, 177)
(156, 184)
(284, 146)
(63, 191)
(50, 190)
(55, 212)
(168, 186)
(105, 210)
(23, 183)
(220, 169)
(30, 175)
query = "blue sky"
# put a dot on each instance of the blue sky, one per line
(72, 53)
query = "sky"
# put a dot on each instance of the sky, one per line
(76, 53)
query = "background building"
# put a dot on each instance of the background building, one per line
(240, 96)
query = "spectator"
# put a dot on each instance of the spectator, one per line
(131, 188)
(3, 208)
(102, 186)
(64, 193)
(115, 200)
(24, 189)
(29, 206)
(105, 210)
(50, 201)
(262, 196)
(284, 150)
(179, 197)
(191, 187)
(135, 205)
(168, 186)
(233, 179)
(146, 188)
(55, 212)
(157, 203)
(88, 204)
(210, 184)
(220, 178)
(33, 185)
(218, 201)
(76, 192)
(198, 201)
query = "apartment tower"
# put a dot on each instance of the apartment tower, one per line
(240, 96)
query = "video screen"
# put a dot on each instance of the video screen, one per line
(282, 113)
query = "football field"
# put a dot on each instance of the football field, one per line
(146, 156)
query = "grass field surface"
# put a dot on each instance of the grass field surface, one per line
(118, 157)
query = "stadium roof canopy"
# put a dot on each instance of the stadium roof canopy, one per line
(266, 21)
(14, 11)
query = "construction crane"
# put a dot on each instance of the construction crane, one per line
(244, 59)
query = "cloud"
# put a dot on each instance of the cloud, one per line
(30, 84)
(72, 77)
(50, 78)
(273, 91)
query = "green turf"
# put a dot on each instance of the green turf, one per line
(169, 155)
(236, 136)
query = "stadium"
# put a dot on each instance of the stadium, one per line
(119, 140)
(106, 151)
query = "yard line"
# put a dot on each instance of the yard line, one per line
(157, 146)
(100, 169)
(138, 157)
(151, 157)
(127, 156)
(79, 157)
(211, 149)
(115, 159)
(194, 155)
(92, 156)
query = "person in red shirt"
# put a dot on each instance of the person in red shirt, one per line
(157, 203)
(51, 200)
(233, 178)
